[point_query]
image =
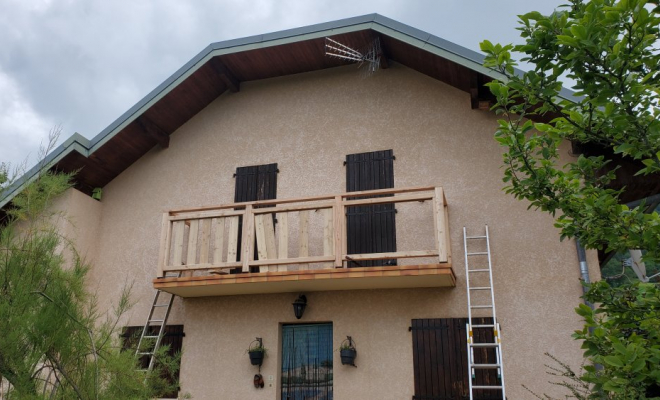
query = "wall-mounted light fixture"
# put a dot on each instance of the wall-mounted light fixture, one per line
(299, 306)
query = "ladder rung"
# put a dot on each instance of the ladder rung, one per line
(161, 305)
(482, 306)
(484, 326)
(476, 237)
(484, 344)
(485, 366)
(486, 387)
(478, 253)
(480, 288)
(150, 337)
(155, 320)
(479, 270)
(145, 354)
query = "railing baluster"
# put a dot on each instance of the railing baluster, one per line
(191, 257)
(440, 224)
(219, 239)
(338, 219)
(165, 239)
(303, 239)
(282, 238)
(179, 227)
(232, 246)
(248, 237)
(204, 241)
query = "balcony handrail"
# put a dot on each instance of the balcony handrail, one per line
(199, 244)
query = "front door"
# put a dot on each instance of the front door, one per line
(307, 362)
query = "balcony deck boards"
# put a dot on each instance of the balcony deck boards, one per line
(389, 277)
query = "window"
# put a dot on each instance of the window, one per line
(370, 229)
(257, 182)
(440, 359)
(307, 362)
(173, 337)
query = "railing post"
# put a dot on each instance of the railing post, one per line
(338, 219)
(247, 238)
(440, 222)
(165, 240)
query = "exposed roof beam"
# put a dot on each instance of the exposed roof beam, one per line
(226, 75)
(154, 131)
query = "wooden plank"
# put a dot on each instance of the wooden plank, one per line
(296, 207)
(447, 235)
(178, 242)
(232, 240)
(302, 199)
(262, 254)
(202, 266)
(328, 232)
(303, 238)
(299, 260)
(440, 224)
(394, 199)
(218, 239)
(394, 254)
(248, 238)
(205, 214)
(191, 257)
(377, 192)
(205, 241)
(269, 233)
(338, 219)
(165, 243)
(282, 238)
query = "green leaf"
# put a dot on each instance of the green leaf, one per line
(614, 361)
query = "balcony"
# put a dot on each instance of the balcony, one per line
(249, 248)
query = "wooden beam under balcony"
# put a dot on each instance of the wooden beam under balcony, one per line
(390, 277)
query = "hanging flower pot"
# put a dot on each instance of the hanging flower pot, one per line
(256, 356)
(256, 351)
(348, 356)
(347, 352)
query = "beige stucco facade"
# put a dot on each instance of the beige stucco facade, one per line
(308, 123)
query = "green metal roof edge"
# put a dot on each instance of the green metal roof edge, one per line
(405, 33)
(75, 142)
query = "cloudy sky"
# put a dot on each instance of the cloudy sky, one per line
(79, 64)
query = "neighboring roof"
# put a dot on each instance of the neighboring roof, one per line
(223, 65)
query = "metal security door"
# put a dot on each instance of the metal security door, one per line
(307, 362)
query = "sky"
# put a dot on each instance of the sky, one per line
(79, 64)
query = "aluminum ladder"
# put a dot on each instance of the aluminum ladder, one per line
(151, 340)
(478, 258)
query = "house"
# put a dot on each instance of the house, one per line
(239, 172)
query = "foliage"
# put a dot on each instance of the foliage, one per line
(609, 49)
(622, 338)
(55, 343)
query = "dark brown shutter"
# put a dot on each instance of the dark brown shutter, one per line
(370, 229)
(440, 359)
(173, 337)
(258, 182)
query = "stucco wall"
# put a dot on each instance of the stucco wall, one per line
(307, 123)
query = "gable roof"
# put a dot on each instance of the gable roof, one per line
(223, 65)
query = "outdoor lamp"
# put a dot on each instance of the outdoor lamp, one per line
(299, 306)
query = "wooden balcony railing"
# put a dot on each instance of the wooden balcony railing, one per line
(207, 238)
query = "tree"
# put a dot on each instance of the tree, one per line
(54, 342)
(609, 49)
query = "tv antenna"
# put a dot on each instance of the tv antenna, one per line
(369, 58)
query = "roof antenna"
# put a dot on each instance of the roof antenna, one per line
(370, 57)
